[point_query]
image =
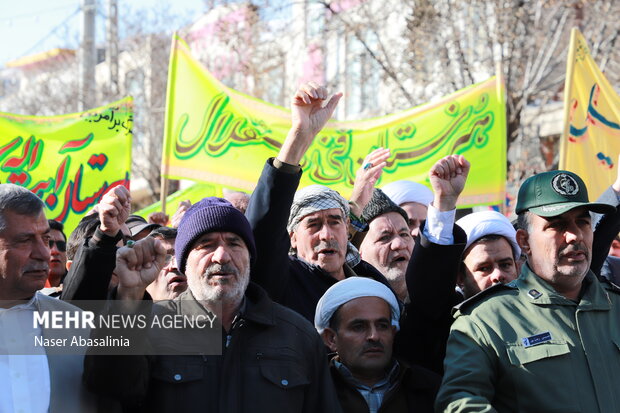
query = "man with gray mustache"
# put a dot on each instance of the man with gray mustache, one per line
(549, 340)
(270, 357)
(34, 378)
(302, 237)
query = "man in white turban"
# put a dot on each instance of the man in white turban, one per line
(358, 319)
(491, 252)
(413, 197)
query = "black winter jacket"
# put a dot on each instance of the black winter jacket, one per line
(275, 361)
(414, 391)
(289, 280)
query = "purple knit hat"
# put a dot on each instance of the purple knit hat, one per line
(209, 215)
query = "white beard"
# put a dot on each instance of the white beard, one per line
(202, 291)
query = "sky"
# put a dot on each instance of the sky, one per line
(32, 26)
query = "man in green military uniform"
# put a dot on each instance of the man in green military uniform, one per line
(550, 340)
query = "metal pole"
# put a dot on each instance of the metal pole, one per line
(568, 88)
(112, 46)
(87, 56)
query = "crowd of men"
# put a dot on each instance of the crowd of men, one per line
(380, 303)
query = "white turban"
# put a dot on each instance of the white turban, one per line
(407, 191)
(480, 224)
(349, 289)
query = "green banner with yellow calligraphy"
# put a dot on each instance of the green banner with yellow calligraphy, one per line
(217, 134)
(69, 161)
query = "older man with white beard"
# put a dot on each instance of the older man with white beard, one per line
(270, 357)
(388, 243)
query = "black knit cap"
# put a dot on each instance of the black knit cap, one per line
(209, 215)
(380, 204)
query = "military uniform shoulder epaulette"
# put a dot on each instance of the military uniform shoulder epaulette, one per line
(482, 295)
(609, 285)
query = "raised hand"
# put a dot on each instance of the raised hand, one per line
(137, 266)
(448, 177)
(158, 218)
(178, 215)
(114, 210)
(366, 177)
(308, 116)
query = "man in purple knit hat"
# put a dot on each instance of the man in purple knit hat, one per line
(270, 357)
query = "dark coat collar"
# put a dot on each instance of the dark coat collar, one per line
(257, 308)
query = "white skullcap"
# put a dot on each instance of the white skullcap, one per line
(349, 289)
(480, 224)
(408, 191)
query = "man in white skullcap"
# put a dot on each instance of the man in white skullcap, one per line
(486, 255)
(413, 197)
(491, 252)
(358, 319)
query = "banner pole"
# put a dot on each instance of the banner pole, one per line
(499, 75)
(568, 91)
(164, 193)
(168, 123)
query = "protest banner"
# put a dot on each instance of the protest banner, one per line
(193, 193)
(590, 143)
(216, 134)
(69, 161)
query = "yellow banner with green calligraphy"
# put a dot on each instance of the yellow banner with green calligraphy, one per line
(69, 161)
(217, 134)
(591, 141)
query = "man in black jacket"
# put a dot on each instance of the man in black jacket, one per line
(387, 245)
(311, 224)
(358, 319)
(91, 249)
(314, 222)
(270, 357)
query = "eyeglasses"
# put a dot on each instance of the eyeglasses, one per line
(61, 245)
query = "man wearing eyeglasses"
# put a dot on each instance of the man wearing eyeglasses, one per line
(58, 254)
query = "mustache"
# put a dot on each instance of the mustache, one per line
(327, 245)
(41, 267)
(373, 345)
(574, 248)
(219, 268)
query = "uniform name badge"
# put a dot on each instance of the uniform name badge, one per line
(536, 339)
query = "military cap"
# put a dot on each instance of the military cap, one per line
(553, 193)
